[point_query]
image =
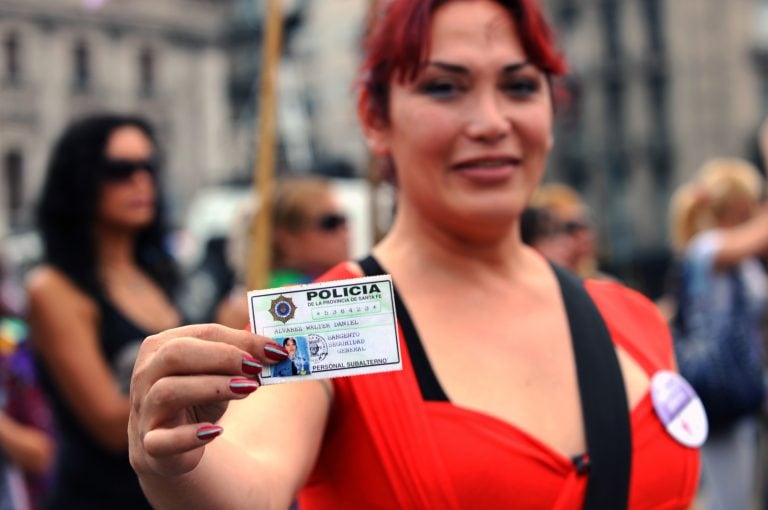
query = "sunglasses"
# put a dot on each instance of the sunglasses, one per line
(330, 222)
(117, 170)
(574, 226)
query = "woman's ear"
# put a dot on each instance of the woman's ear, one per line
(374, 127)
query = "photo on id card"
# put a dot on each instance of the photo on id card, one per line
(298, 359)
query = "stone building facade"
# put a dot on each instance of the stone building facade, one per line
(60, 60)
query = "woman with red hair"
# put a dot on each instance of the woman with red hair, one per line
(519, 389)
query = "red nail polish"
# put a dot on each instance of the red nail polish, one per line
(242, 386)
(275, 352)
(251, 366)
(208, 432)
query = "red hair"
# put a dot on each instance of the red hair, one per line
(398, 43)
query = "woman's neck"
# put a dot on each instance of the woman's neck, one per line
(115, 249)
(428, 245)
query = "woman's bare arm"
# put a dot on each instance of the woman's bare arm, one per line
(749, 239)
(28, 447)
(64, 332)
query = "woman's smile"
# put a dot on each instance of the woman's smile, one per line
(489, 169)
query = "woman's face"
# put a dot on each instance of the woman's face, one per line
(471, 134)
(290, 346)
(128, 190)
(573, 220)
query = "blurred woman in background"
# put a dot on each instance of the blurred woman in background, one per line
(719, 231)
(576, 248)
(105, 284)
(310, 235)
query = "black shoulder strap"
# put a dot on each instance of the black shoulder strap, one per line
(430, 387)
(371, 266)
(601, 389)
(603, 398)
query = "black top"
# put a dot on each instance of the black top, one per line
(86, 476)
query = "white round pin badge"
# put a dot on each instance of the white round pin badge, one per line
(679, 408)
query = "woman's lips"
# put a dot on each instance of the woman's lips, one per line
(490, 169)
(138, 203)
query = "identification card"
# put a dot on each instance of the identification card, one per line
(330, 329)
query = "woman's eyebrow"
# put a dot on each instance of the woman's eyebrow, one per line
(512, 68)
(460, 69)
(451, 68)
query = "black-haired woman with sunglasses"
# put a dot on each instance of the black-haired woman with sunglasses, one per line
(105, 283)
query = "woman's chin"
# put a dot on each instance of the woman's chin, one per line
(500, 213)
(136, 223)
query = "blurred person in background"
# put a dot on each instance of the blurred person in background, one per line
(758, 147)
(26, 425)
(309, 236)
(719, 231)
(763, 145)
(106, 282)
(576, 251)
(541, 231)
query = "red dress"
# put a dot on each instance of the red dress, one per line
(385, 447)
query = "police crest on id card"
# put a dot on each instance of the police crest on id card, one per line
(330, 329)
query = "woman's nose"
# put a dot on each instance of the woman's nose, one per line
(142, 175)
(142, 179)
(488, 121)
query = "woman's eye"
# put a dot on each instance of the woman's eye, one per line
(440, 89)
(522, 87)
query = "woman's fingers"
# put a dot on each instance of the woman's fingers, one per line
(175, 451)
(262, 349)
(162, 443)
(177, 419)
(190, 356)
(244, 340)
(182, 382)
(203, 349)
(167, 400)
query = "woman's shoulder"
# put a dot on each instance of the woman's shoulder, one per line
(47, 282)
(634, 322)
(46, 277)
